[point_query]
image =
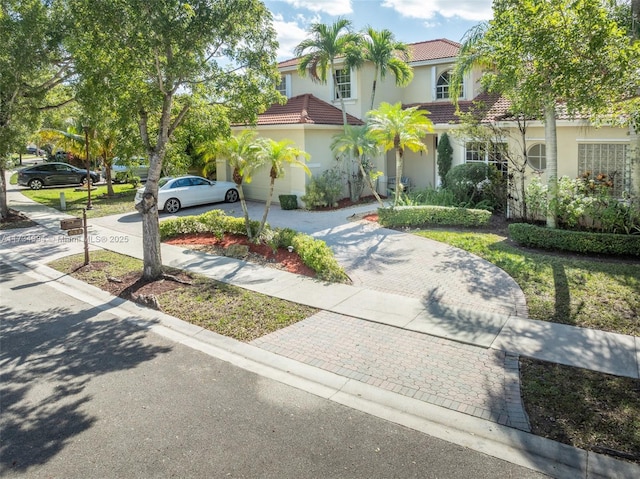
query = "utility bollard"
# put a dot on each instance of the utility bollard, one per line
(63, 202)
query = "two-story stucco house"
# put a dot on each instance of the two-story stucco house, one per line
(312, 116)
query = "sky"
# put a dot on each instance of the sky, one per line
(410, 20)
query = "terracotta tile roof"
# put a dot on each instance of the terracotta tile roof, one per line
(420, 51)
(489, 106)
(305, 109)
(434, 50)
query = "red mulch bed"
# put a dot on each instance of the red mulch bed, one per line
(258, 253)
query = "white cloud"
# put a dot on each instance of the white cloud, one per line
(475, 10)
(330, 7)
(289, 35)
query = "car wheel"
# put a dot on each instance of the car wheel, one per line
(172, 205)
(84, 181)
(36, 184)
(231, 196)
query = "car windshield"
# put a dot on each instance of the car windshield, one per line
(163, 181)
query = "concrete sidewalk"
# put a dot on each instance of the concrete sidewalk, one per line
(373, 332)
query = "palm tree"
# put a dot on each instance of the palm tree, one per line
(242, 153)
(391, 126)
(318, 53)
(276, 154)
(387, 54)
(357, 143)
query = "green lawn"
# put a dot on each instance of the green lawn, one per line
(582, 291)
(121, 202)
(225, 309)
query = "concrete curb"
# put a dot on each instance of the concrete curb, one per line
(521, 448)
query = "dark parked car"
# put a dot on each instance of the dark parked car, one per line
(52, 174)
(34, 150)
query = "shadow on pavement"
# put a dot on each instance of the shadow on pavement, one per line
(47, 361)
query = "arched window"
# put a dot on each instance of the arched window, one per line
(442, 86)
(537, 156)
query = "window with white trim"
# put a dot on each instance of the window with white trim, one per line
(284, 87)
(537, 156)
(489, 153)
(608, 159)
(443, 85)
(343, 83)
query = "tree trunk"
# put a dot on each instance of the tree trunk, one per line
(245, 211)
(4, 208)
(551, 140)
(373, 88)
(267, 205)
(337, 90)
(633, 152)
(370, 183)
(398, 175)
(148, 208)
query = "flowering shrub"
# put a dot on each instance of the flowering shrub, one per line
(585, 203)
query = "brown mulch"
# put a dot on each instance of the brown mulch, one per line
(16, 219)
(257, 253)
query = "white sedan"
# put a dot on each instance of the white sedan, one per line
(176, 193)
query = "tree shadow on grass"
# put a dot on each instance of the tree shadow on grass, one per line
(47, 360)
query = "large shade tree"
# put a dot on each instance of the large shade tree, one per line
(397, 128)
(550, 54)
(32, 65)
(156, 58)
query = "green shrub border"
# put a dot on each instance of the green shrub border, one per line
(313, 252)
(288, 202)
(422, 215)
(574, 241)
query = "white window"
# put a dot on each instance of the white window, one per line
(442, 86)
(537, 157)
(607, 159)
(489, 153)
(343, 81)
(284, 87)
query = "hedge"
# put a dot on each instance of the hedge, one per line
(575, 241)
(313, 252)
(432, 215)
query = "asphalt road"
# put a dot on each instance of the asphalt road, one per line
(85, 394)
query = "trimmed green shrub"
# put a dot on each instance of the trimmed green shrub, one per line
(415, 216)
(314, 253)
(445, 157)
(288, 202)
(319, 257)
(575, 241)
(324, 190)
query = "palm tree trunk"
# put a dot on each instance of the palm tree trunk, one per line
(245, 212)
(373, 88)
(370, 183)
(267, 206)
(337, 90)
(551, 141)
(398, 175)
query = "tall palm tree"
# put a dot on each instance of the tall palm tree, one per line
(356, 142)
(391, 126)
(242, 153)
(387, 54)
(277, 154)
(318, 53)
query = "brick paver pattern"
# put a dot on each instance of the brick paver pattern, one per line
(468, 379)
